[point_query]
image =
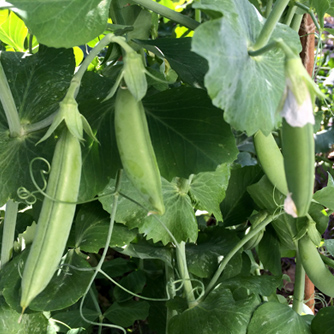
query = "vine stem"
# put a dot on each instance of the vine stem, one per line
(271, 23)
(8, 231)
(97, 269)
(8, 103)
(169, 13)
(236, 249)
(299, 287)
(184, 273)
(268, 8)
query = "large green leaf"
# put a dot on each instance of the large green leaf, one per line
(127, 313)
(238, 205)
(189, 135)
(249, 89)
(204, 256)
(323, 322)
(179, 217)
(91, 230)
(37, 82)
(219, 313)
(66, 287)
(30, 323)
(276, 318)
(208, 190)
(63, 23)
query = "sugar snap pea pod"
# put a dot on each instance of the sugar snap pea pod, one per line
(298, 152)
(135, 148)
(55, 218)
(271, 160)
(314, 267)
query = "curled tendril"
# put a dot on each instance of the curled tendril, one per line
(29, 196)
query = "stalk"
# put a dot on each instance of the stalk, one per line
(236, 249)
(296, 22)
(8, 103)
(298, 294)
(290, 15)
(183, 270)
(169, 13)
(170, 278)
(268, 8)
(271, 23)
(8, 231)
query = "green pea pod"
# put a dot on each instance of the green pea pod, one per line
(271, 160)
(314, 267)
(298, 152)
(55, 218)
(135, 148)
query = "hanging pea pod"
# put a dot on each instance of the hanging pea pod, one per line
(55, 219)
(271, 160)
(298, 150)
(135, 148)
(314, 267)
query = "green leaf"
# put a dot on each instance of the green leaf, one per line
(188, 134)
(66, 23)
(321, 7)
(264, 285)
(329, 243)
(134, 282)
(325, 196)
(249, 89)
(13, 31)
(323, 322)
(285, 228)
(269, 252)
(66, 287)
(179, 217)
(237, 205)
(219, 313)
(276, 318)
(91, 229)
(204, 256)
(30, 323)
(146, 250)
(37, 83)
(207, 189)
(190, 67)
(265, 196)
(126, 314)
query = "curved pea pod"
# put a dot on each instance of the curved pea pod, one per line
(298, 152)
(136, 150)
(314, 267)
(271, 160)
(55, 219)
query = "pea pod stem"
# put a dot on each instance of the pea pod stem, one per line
(8, 231)
(236, 249)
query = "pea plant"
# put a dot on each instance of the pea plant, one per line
(158, 162)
